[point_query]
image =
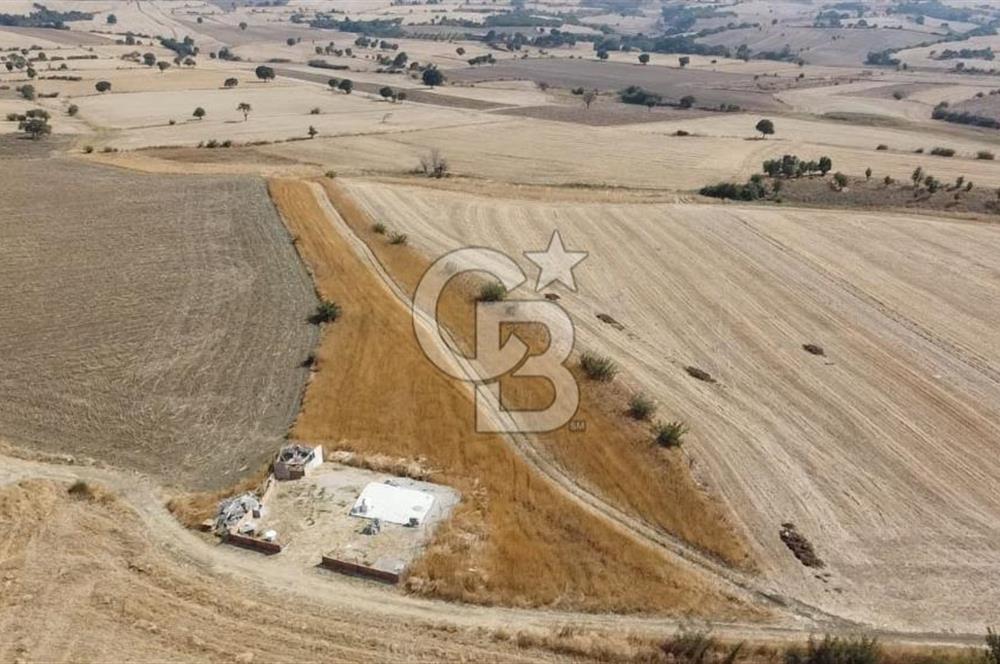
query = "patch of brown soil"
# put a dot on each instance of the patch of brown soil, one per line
(514, 539)
(613, 454)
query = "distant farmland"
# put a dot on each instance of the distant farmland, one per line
(709, 88)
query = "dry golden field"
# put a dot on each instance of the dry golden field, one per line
(161, 252)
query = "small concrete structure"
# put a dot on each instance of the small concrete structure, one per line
(295, 461)
(385, 501)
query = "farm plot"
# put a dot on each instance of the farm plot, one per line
(374, 391)
(841, 47)
(709, 88)
(880, 452)
(152, 322)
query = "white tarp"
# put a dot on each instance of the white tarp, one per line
(392, 504)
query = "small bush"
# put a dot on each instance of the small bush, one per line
(378, 227)
(813, 349)
(598, 367)
(699, 374)
(881, 146)
(641, 407)
(985, 154)
(861, 650)
(87, 149)
(670, 434)
(331, 174)
(943, 152)
(326, 312)
(314, 111)
(492, 291)
(681, 132)
(396, 237)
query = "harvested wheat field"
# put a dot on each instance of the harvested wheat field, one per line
(374, 391)
(152, 322)
(880, 452)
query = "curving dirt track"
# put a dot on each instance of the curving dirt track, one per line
(880, 452)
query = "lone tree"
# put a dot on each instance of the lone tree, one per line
(199, 113)
(387, 92)
(346, 85)
(27, 92)
(163, 65)
(460, 50)
(602, 54)
(73, 110)
(644, 58)
(868, 173)
(112, 19)
(243, 25)
(825, 164)
(433, 77)
(245, 109)
(588, 97)
(35, 127)
(312, 131)
(401, 96)
(264, 73)
(333, 83)
(765, 127)
(149, 59)
(231, 82)
(103, 86)
(687, 101)
(684, 61)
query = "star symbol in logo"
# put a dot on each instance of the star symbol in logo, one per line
(556, 263)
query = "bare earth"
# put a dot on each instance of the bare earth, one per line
(155, 322)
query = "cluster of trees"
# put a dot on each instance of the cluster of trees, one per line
(43, 17)
(345, 85)
(376, 27)
(183, 48)
(753, 189)
(35, 123)
(790, 166)
(966, 53)
(942, 112)
(388, 93)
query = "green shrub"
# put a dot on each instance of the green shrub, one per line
(943, 152)
(492, 291)
(396, 237)
(598, 367)
(331, 174)
(669, 434)
(837, 650)
(326, 312)
(379, 228)
(881, 146)
(641, 407)
(87, 149)
(985, 154)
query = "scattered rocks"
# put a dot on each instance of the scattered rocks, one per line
(800, 547)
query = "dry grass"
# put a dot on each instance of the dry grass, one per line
(613, 455)
(388, 399)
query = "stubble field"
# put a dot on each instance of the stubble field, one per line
(893, 427)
